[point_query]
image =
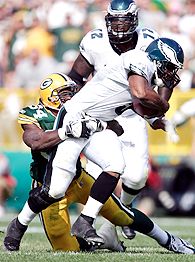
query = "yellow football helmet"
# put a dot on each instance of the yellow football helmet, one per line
(56, 89)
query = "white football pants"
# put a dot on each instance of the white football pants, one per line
(103, 148)
(135, 151)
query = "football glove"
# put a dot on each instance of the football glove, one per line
(171, 132)
(95, 125)
(82, 126)
(78, 129)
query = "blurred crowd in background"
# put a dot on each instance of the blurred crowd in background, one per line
(7, 183)
(38, 37)
(41, 37)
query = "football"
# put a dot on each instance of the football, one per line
(144, 111)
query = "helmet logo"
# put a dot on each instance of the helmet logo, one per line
(169, 53)
(46, 83)
(121, 9)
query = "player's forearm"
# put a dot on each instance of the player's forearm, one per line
(41, 140)
(165, 92)
(152, 100)
(148, 97)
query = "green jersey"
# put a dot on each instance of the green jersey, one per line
(44, 119)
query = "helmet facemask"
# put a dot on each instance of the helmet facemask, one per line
(65, 93)
(167, 72)
(121, 20)
(121, 27)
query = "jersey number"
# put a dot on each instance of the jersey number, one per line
(148, 33)
(97, 33)
(39, 114)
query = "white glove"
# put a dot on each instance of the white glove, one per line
(95, 125)
(171, 132)
(82, 126)
(76, 127)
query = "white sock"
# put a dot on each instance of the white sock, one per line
(159, 235)
(92, 207)
(26, 215)
(126, 198)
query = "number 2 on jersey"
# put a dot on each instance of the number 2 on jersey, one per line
(97, 33)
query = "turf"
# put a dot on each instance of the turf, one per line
(35, 246)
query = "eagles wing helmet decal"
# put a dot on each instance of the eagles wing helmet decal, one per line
(169, 53)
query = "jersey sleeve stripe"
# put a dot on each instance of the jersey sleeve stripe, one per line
(23, 119)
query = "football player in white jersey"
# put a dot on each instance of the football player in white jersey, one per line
(113, 88)
(104, 46)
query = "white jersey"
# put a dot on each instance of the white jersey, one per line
(96, 48)
(108, 90)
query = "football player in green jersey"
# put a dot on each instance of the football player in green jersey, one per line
(35, 120)
(37, 123)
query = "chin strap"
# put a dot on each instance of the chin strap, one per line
(157, 81)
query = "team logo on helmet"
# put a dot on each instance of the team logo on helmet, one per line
(46, 83)
(168, 58)
(56, 89)
(121, 8)
(169, 53)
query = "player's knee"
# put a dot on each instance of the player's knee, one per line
(136, 184)
(116, 167)
(56, 193)
(136, 180)
(39, 199)
(58, 189)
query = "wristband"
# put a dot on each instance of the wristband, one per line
(152, 120)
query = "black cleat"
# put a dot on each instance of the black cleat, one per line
(128, 233)
(82, 229)
(14, 234)
(85, 246)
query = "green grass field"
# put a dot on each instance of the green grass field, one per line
(35, 246)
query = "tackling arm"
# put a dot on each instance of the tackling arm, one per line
(38, 139)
